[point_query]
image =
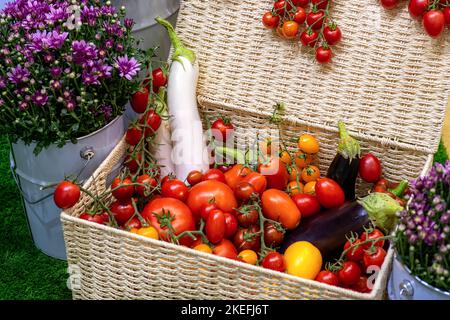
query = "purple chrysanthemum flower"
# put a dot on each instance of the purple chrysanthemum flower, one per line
(107, 10)
(107, 112)
(40, 98)
(113, 29)
(83, 52)
(70, 105)
(18, 75)
(43, 40)
(90, 78)
(128, 68)
(109, 43)
(89, 15)
(2, 82)
(58, 13)
(55, 71)
(23, 106)
(129, 23)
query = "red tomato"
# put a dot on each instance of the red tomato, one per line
(134, 223)
(361, 285)
(257, 180)
(139, 100)
(226, 249)
(214, 174)
(150, 185)
(206, 209)
(276, 173)
(175, 188)
(327, 277)
(180, 216)
(370, 168)
(315, 19)
(374, 258)
(133, 162)
(270, 21)
(247, 215)
(236, 174)
(349, 274)
(375, 234)
(272, 236)
(278, 206)
(321, 4)
(300, 3)
(215, 226)
(152, 121)
(125, 192)
(159, 79)
(332, 34)
(417, 8)
(102, 218)
(211, 190)
(323, 55)
(244, 191)
(446, 12)
(280, 7)
(299, 15)
(329, 193)
(122, 211)
(167, 178)
(309, 38)
(248, 239)
(224, 168)
(222, 129)
(134, 136)
(389, 4)
(231, 225)
(274, 261)
(194, 177)
(356, 254)
(307, 204)
(434, 23)
(66, 195)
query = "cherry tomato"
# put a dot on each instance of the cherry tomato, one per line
(370, 168)
(309, 38)
(310, 188)
(123, 190)
(308, 144)
(248, 256)
(223, 167)
(349, 274)
(417, 8)
(434, 23)
(206, 210)
(139, 100)
(303, 159)
(278, 206)
(293, 188)
(152, 121)
(356, 254)
(328, 277)
(446, 12)
(167, 178)
(122, 211)
(102, 218)
(248, 238)
(247, 215)
(236, 174)
(315, 19)
(321, 4)
(214, 174)
(66, 195)
(329, 193)
(332, 34)
(361, 285)
(285, 157)
(134, 223)
(175, 188)
(222, 129)
(310, 173)
(299, 16)
(280, 7)
(159, 211)
(389, 4)
(290, 29)
(226, 249)
(303, 260)
(275, 172)
(323, 55)
(231, 225)
(203, 248)
(375, 234)
(244, 191)
(270, 21)
(307, 204)
(274, 261)
(194, 177)
(215, 226)
(133, 136)
(257, 180)
(149, 232)
(293, 173)
(300, 3)
(133, 162)
(211, 190)
(150, 185)
(272, 236)
(374, 258)
(159, 78)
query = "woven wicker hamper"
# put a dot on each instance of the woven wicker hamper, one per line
(388, 82)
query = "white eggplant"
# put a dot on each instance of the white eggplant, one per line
(189, 144)
(162, 149)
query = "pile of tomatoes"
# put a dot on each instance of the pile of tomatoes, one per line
(434, 14)
(288, 16)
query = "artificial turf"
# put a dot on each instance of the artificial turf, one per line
(25, 272)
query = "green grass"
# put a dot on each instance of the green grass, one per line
(25, 272)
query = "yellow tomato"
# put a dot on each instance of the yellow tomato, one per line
(203, 248)
(310, 173)
(303, 159)
(294, 188)
(134, 230)
(148, 232)
(285, 157)
(303, 260)
(308, 144)
(248, 256)
(310, 188)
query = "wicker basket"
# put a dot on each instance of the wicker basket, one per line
(388, 81)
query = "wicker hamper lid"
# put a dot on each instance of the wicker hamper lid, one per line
(388, 81)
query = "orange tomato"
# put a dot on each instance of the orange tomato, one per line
(278, 205)
(310, 188)
(268, 147)
(308, 144)
(236, 175)
(310, 173)
(294, 188)
(290, 29)
(280, 32)
(248, 256)
(134, 230)
(285, 157)
(303, 159)
(203, 248)
(293, 172)
(148, 232)
(257, 180)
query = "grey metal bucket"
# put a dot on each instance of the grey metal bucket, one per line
(404, 286)
(33, 173)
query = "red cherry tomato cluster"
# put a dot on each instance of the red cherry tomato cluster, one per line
(308, 21)
(434, 14)
(361, 258)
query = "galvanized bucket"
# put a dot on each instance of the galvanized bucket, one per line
(404, 286)
(34, 173)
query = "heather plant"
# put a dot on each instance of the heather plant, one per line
(67, 69)
(423, 234)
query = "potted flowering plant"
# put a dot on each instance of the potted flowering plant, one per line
(67, 69)
(422, 267)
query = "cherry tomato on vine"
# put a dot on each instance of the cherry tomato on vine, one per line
(167, 178)
(389, 4)
(223, 167)
(133, 223)
(203, 248)
(257, 180)
(275, 172)
(236, 174)
(133, 136)
(299, 15)
(329, 193)
(66, 195)
(206, 209)
(248, 256)
(356, 254)
(152, 121)
(332, 34)
(247, 215)
(274, 261)
(417, 8)
(175, 188)
(434, 23)
(374, 258)
(307, 204)
(272, 236)
(373, 235)
(159, 79)
(323, 55)
(293, 188)
(280, 7)
(446, 12)
(226, 249)
(310, 188)
(370, 168)
(248, 238)
(222, 129)
(215, 226)
(308, 144)
(321, 4)
(122, 211)
(349, 274)
(148, 232)
(123, 188)
(309, 38)
(150, 185)
(214, 174)
(300, 3)
(290, 29)
(270, 21)
(244, 191)
(231, 225)
(102, 218)
(315, 20)
(194, 177)
(139, 100)
(328, 277)
(310, 173)
(361, 285)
